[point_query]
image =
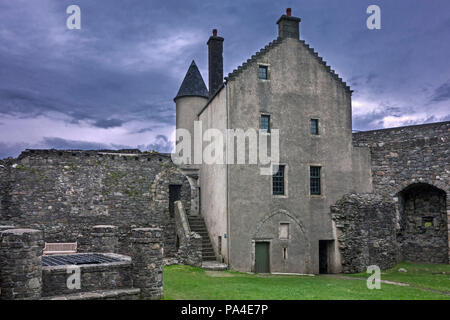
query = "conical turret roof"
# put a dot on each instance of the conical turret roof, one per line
(193, 84)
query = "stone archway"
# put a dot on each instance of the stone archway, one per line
(290, 250)
(423, 233)
(160, 205)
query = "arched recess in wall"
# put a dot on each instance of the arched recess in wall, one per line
(167, 182)
(269, 228)
(423, 234)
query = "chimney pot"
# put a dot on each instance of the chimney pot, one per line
(288, 26)
(214, 32)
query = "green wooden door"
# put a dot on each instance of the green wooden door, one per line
(262, 262)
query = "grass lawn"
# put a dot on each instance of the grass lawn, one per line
(185, 282)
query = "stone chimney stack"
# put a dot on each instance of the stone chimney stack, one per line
(288, 26)
(215, 62)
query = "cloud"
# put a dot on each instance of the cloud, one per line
(111, 123)
(12, 149)
(64, 144)
(143, 130)
(113, 81)
(162, 144)
(442, 93)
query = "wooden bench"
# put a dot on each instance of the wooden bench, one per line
(59, 248)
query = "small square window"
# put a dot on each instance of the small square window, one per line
(314, 183)
(265, 122)
(427, 222)
(284, 231)
(278, 182)
(314, 124)
(262, 72)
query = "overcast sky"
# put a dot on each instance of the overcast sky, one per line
(111, 84)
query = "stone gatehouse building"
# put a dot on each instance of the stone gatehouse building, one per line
(341, 201)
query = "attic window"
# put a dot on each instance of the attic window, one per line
(262, 72)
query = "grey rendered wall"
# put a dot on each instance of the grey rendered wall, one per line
(187, 110)
(299, 88)
(213, 178)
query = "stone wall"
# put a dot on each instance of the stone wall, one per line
(189, 243)
(20, 264)
(65, 193)
(406, 155)
(423, 224)
(366, 231)
(22, 275)
(147, 255)
(411, 156)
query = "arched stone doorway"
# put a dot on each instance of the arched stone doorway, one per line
(423, 234)
(165, 182)
(285, 241)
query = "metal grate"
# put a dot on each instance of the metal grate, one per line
(76, 259)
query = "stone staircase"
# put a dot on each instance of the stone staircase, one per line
(197, 224)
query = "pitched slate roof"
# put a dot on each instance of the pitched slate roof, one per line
(193, 84)
(275, 43)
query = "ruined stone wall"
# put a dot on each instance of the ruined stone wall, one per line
(414, 156)
(407, 155)
(366, 231)
(65, 193)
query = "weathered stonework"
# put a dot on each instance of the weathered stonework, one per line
(147, 257)
(160, 191)
(105, 239)
(66, 193)
(20, 264)
(105, 276)
(414, 156)
(423, 224)
(189, 243)
(366, 227)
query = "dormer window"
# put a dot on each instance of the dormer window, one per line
(263, 72)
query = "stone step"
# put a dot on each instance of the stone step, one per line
(214, 266)
(200, 228)
(208, 258)
(204, 234)
(118, 294)
(197, 225)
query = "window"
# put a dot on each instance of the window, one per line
(314, 183)
(285, 256)
(427, 222)
(278, 182)
(314, 124)
(262, 72)
(265, 122)
(284, 231)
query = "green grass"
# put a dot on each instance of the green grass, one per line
(431, 276)
(189, 283)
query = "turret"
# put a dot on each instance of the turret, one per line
(191, 98)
